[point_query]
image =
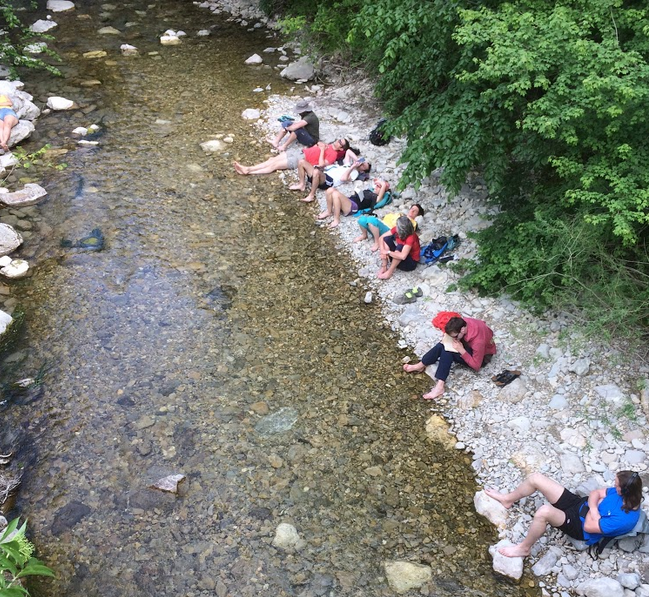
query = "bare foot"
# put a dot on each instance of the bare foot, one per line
(359, 239)
(416, 368)
(308, 199)
(272, 142)
(384, 275)
(374, 248)
(334, 224)
(514, 551)
(436, 392)
(240, 169)
(499, 497)
(323, 215)
(296, 187)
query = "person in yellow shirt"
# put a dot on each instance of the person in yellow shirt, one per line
(378, 228)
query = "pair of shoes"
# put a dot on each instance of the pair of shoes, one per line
(409, 296)
(505, 377)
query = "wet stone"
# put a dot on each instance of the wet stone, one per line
(68, 516)
(277, 422)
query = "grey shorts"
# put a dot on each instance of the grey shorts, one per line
(293, 156)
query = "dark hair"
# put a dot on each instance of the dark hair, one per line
(420, 208)
(369, 168)
(454, 325)
(345, 145)
(630, 490)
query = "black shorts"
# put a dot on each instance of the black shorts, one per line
(572, 506)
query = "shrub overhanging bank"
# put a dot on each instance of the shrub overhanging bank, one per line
(549, 101)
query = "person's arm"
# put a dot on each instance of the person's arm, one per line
(348, 172)
(350, 157)
(478, 347)
(321, 160)
(298, 124)
(382, 189)
(591, 521)
(401, 255)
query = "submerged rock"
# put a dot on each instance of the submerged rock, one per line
(250, 114)
(287, 538)
(404, 576)
(93, 242)
(277, 422)
(128, 50)
(170, 483)
(254, 59)
(66, 517)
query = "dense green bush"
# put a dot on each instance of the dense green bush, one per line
(549, 100)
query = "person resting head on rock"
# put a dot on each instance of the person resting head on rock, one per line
(471, 343)
(399, 249)
(318, 155)
(378, 228)
(8, 120)
(606, 512)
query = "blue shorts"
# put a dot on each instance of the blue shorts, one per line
(4, 112)
(301, 134)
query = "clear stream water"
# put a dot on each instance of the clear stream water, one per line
(214, 305)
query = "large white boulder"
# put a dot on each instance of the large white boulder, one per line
(41, 26)
(491, 509)
(600, 587)
(128, 50)
(254, 59)
(302, 70)
(30, 194)
(250, 114)
(59, 103)
(21, 131)
(59, 5)
(10, 240)
(18, 268)
(511, 567)
(5, 321)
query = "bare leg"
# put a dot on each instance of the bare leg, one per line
(275, 142)
(436, 392)
(544, 515)
(327, 212)
(317, 176)
(240, 169)
(416, 368)
(376, 236)
(287, 142)
(550, 489)
(387, 274)
(361, 236)
(301, 175)
(5, 131)
(341, 204)
(278, 162)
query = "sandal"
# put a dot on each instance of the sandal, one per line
(505, 377)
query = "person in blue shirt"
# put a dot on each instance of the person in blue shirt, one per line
(606, 512)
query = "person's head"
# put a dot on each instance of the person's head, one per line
(456, 328)
(415, 210)
(404, 227)
(629, 485)
(378, 184)
(340, 144)
(302, 107)
(365, 167)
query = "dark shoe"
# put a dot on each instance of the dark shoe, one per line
(506, 377)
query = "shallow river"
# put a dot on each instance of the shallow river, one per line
(215, 304)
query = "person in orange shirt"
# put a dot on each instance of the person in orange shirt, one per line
(318, 155)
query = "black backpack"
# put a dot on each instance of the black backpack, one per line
(377, 136)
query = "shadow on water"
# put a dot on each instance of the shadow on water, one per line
(220, 335)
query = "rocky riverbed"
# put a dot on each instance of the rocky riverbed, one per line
(579, 410)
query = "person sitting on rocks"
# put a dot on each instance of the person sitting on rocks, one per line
(306, 130)
(329, 176)
(378, 228)
(399, 249)
(606, 512)
(8, 120)
(318, 155)
(338, 204)
(472, 344)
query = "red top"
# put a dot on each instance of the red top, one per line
(480, 339)
(412, 240)
(312, 155)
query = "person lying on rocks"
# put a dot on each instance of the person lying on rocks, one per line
(471, 343)
(8, 120)
(338, 204)
(399, 249)
(306, 130)
(606, 512)
(318, 155)
(378, 228)
(329, 176)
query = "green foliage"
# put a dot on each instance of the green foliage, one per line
(13, 39)
(549, 100)
(16, 561)
(27, 160)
